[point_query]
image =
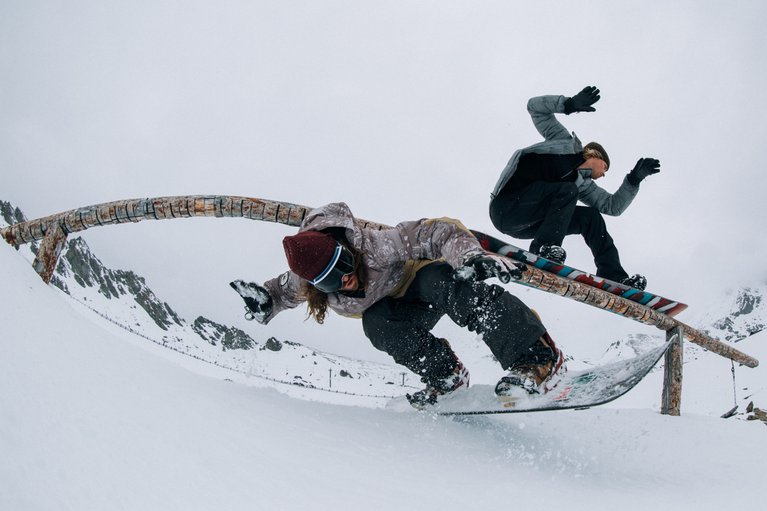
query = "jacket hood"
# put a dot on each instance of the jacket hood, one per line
(336, 215)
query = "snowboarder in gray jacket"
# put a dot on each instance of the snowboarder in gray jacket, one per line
(401, 281)
(537, 193)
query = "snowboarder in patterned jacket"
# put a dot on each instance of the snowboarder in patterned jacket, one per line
(536, 196)
(401, 281)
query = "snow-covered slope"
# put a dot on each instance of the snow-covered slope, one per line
(90, 420)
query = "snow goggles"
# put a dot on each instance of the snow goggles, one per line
(341, 264)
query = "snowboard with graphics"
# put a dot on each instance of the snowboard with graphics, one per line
(576, 390)
(656, 302)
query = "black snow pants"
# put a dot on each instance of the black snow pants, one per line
(402, 327)
(547, 212)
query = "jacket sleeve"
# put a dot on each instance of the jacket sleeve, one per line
(609, 204)
(542, 110)
(285, 291)
(436, 238)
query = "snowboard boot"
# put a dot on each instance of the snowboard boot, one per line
(636, 281)
(553, 253)
(437, 387)
(537, 373)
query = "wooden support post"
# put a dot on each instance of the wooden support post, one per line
(50, 250)
(672, 374)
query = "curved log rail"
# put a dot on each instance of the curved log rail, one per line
(53, 230)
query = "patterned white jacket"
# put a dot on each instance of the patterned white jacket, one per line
(390, 256)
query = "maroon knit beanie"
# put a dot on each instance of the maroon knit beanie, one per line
(309, 252)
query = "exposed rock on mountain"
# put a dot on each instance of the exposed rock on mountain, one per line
(79, 264)
(230, 338)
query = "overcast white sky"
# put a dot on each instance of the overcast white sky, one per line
(402, 109)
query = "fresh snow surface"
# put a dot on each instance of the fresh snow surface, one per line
(90, 419)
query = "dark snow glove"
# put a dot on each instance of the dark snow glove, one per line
(483, 267)
(258, 303)
(582, 101)
(644, 167)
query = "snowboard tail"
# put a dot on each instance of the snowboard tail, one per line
(653, 301)
(576, 389)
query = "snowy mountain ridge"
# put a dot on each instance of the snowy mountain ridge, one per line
(740, 314)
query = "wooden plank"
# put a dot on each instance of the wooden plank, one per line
(237, 203)
(199, 206)
(209, 206)
(283, 214)
(180, 207)
(141, 209)
(173, 207)
(88, 217)
(271, 210)
(226, 206)
(218, 206)
(161, 209)
(121, 213)
(37, 230)
(106, 214)
(70, 222)
(10, 237)
(297, 215)
(256, 210)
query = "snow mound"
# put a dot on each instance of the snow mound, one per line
(90, 421)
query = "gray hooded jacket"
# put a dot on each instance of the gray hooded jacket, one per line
(559, 141)
(390, 256)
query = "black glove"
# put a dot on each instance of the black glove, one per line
(582, 101)
(258, 303)
(644, 167)
(483, 267)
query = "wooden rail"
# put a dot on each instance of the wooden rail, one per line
(53, 230)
